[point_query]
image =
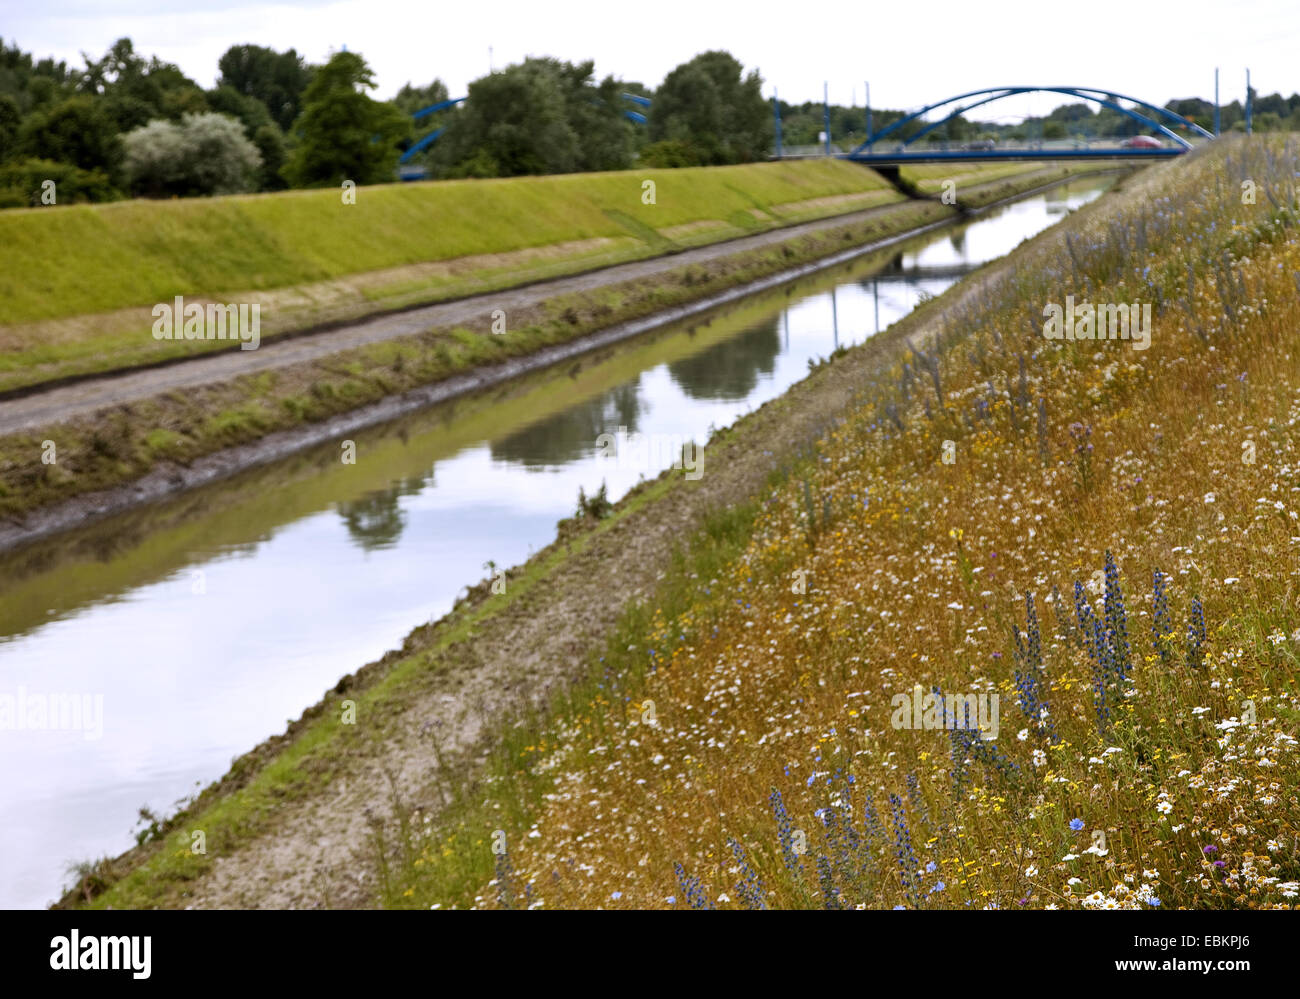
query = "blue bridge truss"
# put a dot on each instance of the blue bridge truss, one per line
(1149, 116)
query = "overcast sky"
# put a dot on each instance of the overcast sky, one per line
(912, 53)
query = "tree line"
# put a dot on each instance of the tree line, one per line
(126, 125)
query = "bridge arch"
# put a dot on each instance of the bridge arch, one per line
(1106, 98)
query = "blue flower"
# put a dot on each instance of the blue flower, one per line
(1076, 824)
(929, 868)
(1152, 900)
(616, 896)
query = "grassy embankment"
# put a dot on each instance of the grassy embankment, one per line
(307, 257)
(979, 183)
(109, 449)
(1146, 752)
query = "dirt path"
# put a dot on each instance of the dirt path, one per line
(80, 398)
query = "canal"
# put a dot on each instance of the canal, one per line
(194, 630)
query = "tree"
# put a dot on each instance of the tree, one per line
(342, 134)
(206, 154)
(269, 141)
(277, 79)
(412, 99)
(538, 116)
(138, 90)
(709, 105)
(10, 119)
(31, 83)
(260, 129)
(21, 183)
(76, 131)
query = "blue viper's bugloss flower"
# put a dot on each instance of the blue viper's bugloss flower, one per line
(908, 866)
(1117, 620)
(1029, 674)
(1076, 824)
(750, 887)
(830, 894)
(784, 830)
(691, 888)
(1196, 635)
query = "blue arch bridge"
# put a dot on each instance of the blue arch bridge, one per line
(890, 147)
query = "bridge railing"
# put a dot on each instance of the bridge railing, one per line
(894, 147)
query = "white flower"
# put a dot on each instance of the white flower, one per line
(1230, 580)
(1164, 808)
(1039, 757)
(1209, 497)
(1023, 734)
(1031, 871)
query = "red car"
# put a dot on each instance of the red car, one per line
(1141, 142)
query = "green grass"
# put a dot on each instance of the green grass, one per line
(138, 253)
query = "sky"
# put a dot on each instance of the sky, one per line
(912, 54)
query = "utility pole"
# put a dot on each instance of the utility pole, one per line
(826, 114)
(1216, 102)
(868, 86)
(489, 60)
(776, 114)
(1247, 102)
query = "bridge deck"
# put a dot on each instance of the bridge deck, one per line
(988, 155)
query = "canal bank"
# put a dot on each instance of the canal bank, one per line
(134, 439)
(497, 650)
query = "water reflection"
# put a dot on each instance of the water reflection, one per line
(375, 521)
(568, 435)
(730, 370)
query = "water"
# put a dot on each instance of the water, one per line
(204, 625)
